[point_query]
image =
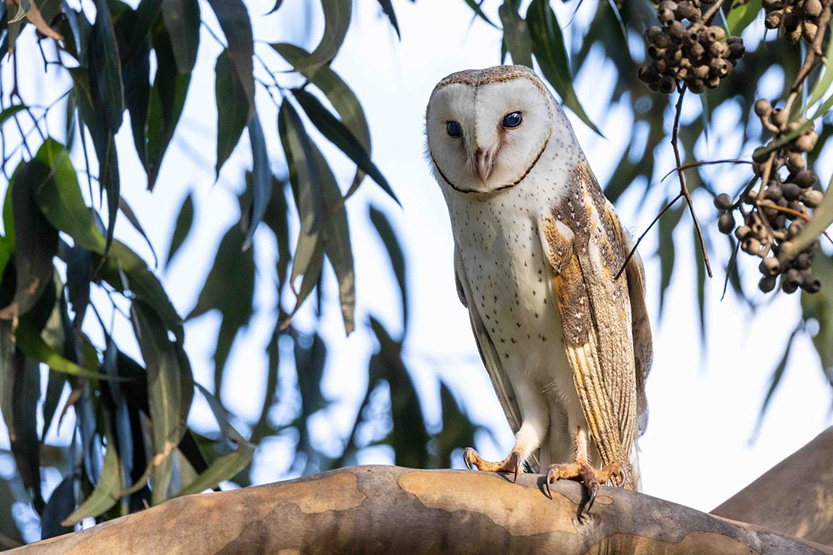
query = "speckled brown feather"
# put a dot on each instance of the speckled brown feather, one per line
(586, 249)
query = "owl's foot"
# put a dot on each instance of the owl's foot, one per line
(512, 463)
(582, 471)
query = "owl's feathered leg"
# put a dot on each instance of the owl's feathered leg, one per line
(581, 469)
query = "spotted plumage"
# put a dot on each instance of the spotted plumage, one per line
(566, 344)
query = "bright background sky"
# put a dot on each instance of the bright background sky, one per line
(703, 402)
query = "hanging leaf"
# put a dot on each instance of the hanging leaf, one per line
(182, 19)
(775, 380)
(336, 238)
(819, 307)
(30, 342)
(666, 249)
(275, 8)
(261, 178)
(106, 492)
(36, 240)
(170, 389)
(105, 68)
(396, 256)
(58, 508)
(167, 99)
(136, 74)
(11, 111)
(516, 34)
(182, 227)
(236, 25)
(341, 137)
(387, 8)
(823, 84)
(336, 22)
(228, 288)
(303, 172)
(742, 16)
(140, 29)
(232, 108)
(134, 221)
(548, 47)
(475, 7)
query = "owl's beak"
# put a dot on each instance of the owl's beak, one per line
(485, 161)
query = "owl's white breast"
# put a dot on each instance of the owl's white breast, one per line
(510, 278)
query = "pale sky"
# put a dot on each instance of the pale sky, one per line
(703, 404)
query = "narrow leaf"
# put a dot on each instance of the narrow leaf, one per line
(11, 111)
(182, 227)
(341, 137)
(303, 172)
(475, 6)
(237, 26)
(548, 47)
(182, 18)
(337, 15)
(740, 17)
(232, 108)
(105, 66)
(516, 34)
(58, 508)
(396, 256)
(387, 8)
(261, 178)
(106, 492)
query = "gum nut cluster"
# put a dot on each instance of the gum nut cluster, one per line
(779, 211)
(696, 54)
(797, 17)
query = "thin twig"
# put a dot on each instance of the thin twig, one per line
(734, 161)
(644, 233)
(683, 187)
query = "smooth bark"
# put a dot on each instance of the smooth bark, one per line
(384, 509)
(794, 497)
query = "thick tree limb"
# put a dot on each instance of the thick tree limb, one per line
(384, 509)
(794, 497)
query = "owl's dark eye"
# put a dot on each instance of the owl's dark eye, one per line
(454, 129)
(512, 119)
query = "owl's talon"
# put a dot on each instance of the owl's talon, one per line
(512, 463)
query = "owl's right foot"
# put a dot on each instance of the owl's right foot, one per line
(512, 463)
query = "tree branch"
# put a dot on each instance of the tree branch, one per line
(794, 496)
(385, 509)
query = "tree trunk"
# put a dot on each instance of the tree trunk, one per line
(794, 497)
(384, 509)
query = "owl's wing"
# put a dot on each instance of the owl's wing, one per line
(498, 376)
(585, 246)
(643, 346)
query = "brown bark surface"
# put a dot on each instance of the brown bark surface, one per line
(794, 497)
(385, 509)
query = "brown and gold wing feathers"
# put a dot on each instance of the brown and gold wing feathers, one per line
(601, 316)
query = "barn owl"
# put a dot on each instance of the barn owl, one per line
(566, 343)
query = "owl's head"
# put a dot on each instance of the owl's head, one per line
(487, 128)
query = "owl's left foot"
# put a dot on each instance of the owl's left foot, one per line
(582, 471)
(512, 463)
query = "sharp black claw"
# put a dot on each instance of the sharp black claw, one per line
(516, 459)
(547, 486)
(594, 489)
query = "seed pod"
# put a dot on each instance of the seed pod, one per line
(802, 261)
(676, 30)
(767, 283)
(726, 223)
(810, 31)
(795, 161)
(770, 266)
(736, 49)
(811, 8)
(715, 33)
(666, 17)
(790, 191)
(763, 108)
(751, 245)
(794, 34)
(779, 118)
(789, 287)
(713, 82)
(770, 5)
(742, 232)
(795, 228)
(806, 143)
(723, 202)
(657, 37)
(696, 52)
(667, 5)
(773, 20)
(773, 192)
(811, 198)
(655, 52)
(811, 284)
(667, 85)
(686, 10)
(701, 72)
(696, 85)
(718, 50)
(805, 179)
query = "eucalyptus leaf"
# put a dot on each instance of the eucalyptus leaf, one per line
(106, 492)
